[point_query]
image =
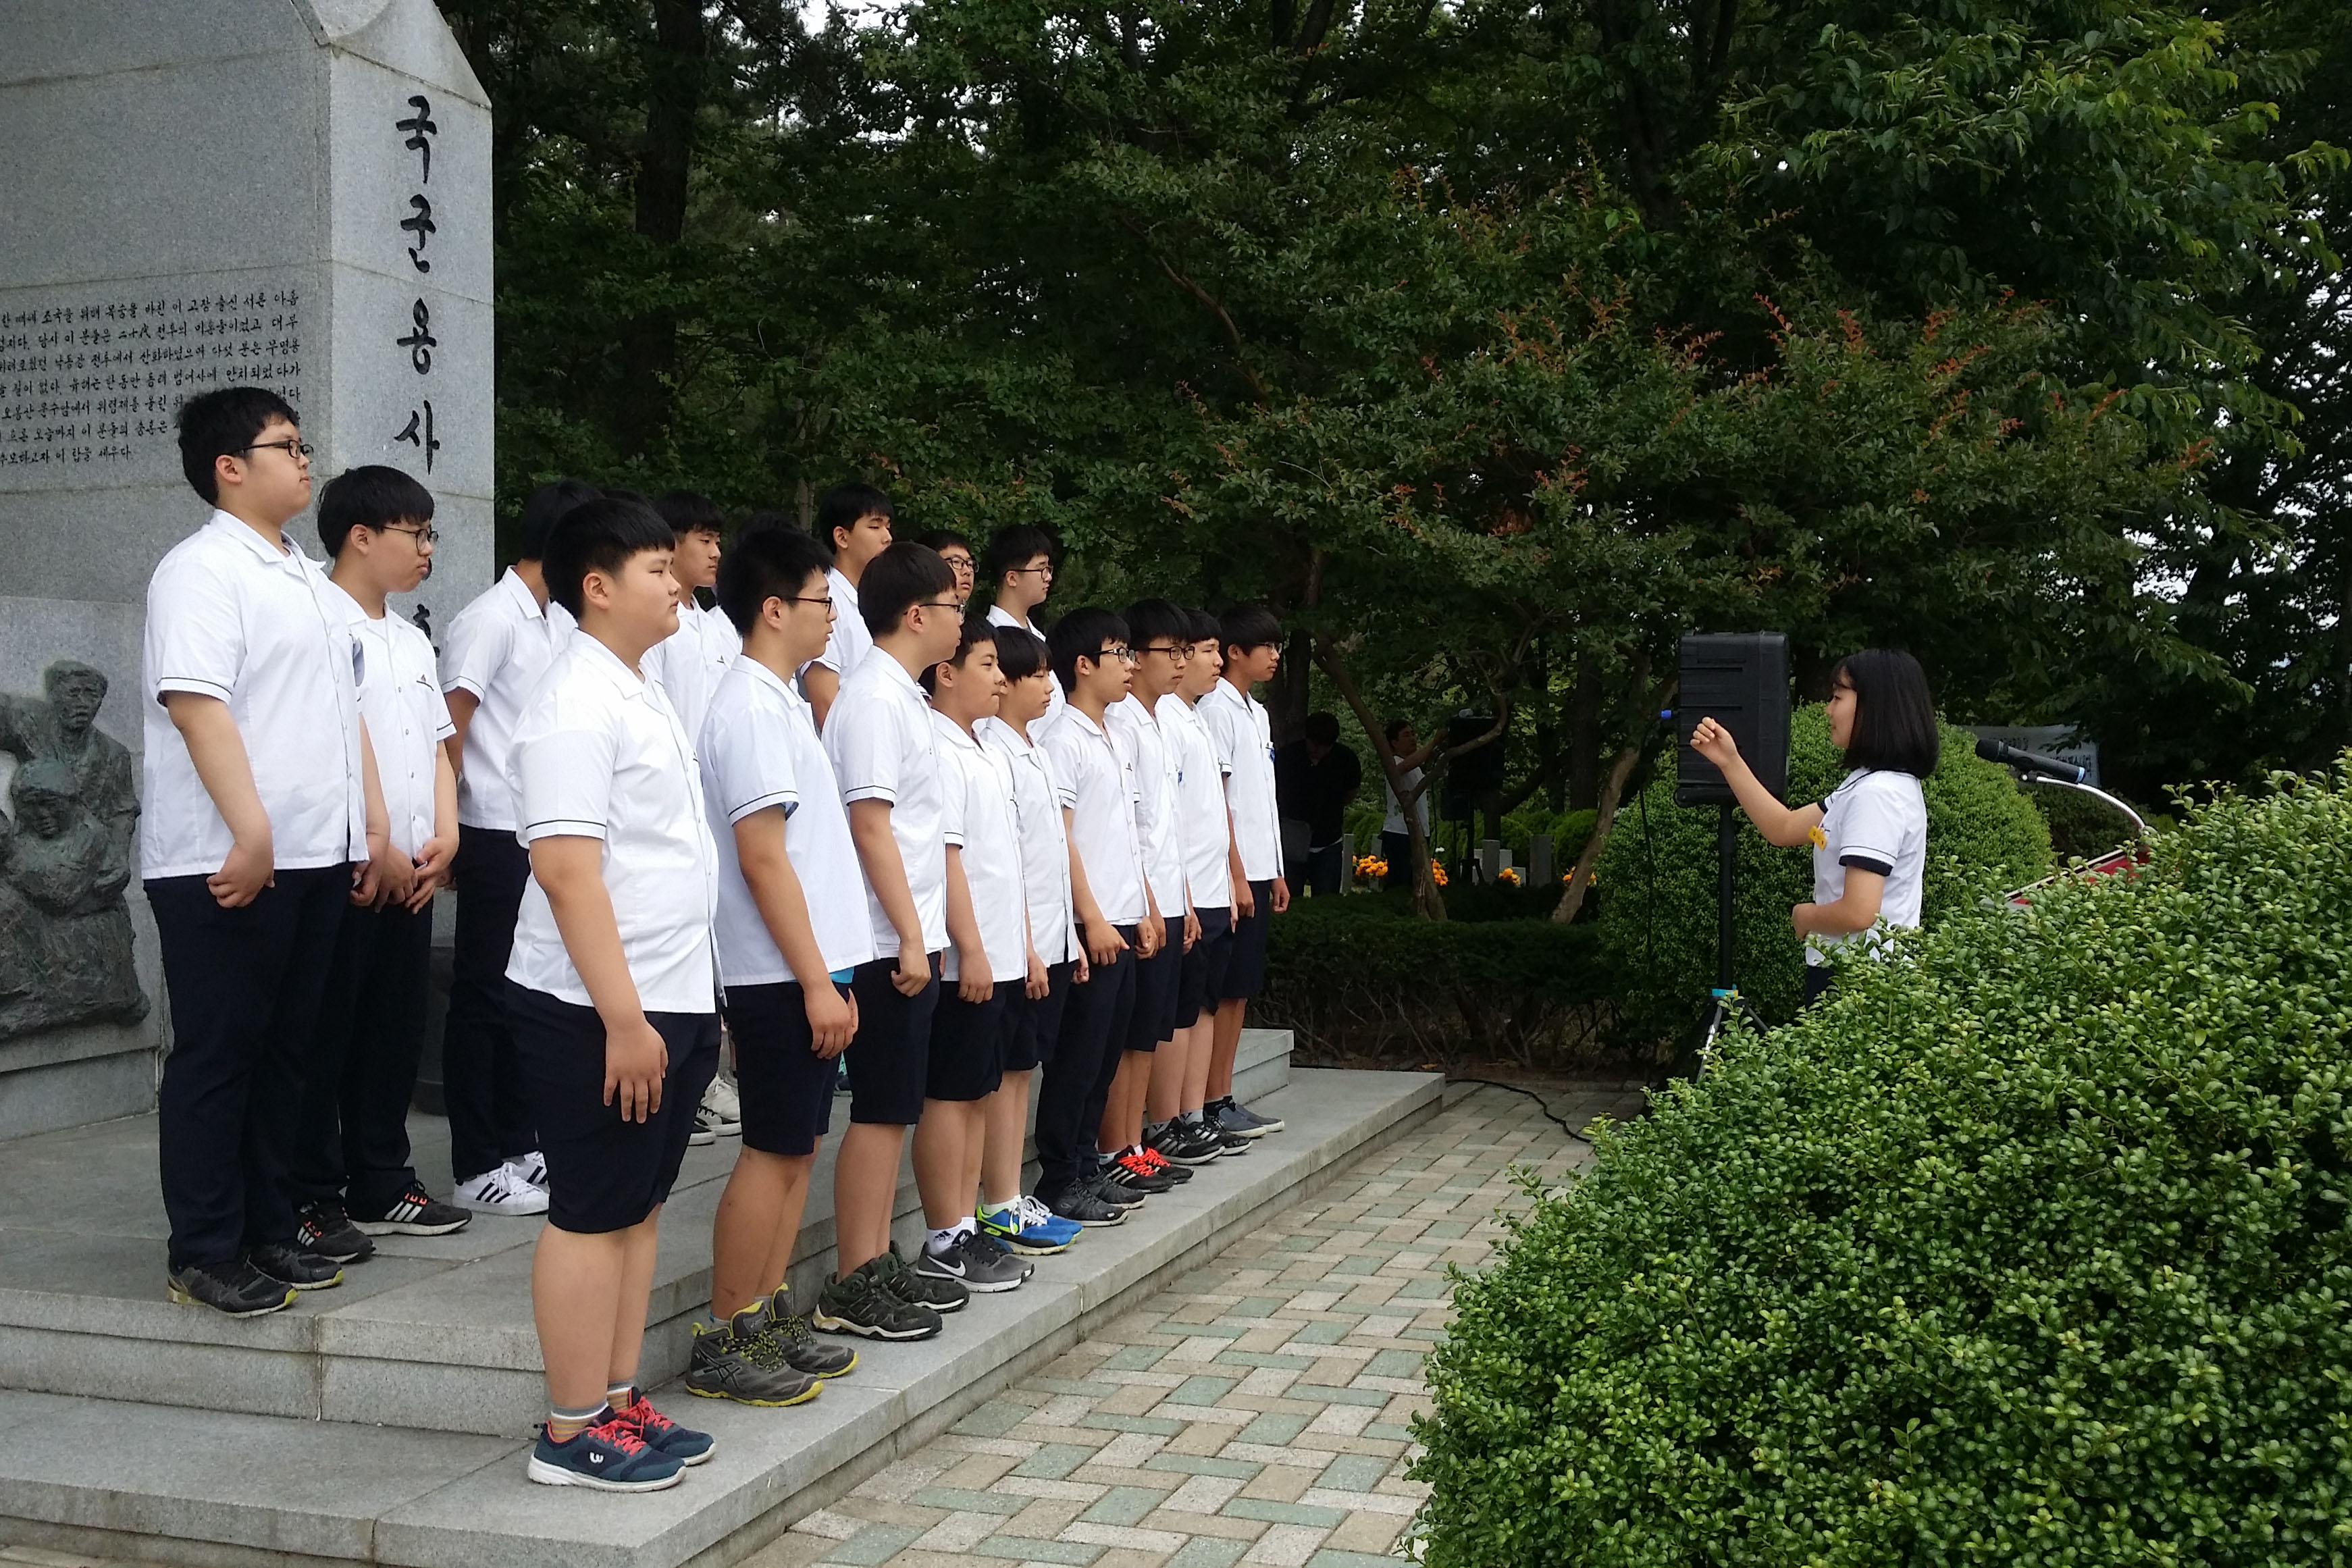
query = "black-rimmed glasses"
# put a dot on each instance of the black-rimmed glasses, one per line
(1180, 652)
(292, 448)
(423, 536)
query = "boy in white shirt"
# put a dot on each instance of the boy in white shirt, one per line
(610, 991)
(691, 661)
(1033, 1016)
(885, 752)
(856, 521)
(492, 655)
(787, 943)
(986, 965)
(1251, 642)
(350, 1166)
(261, 820)
(1206, 828)
(1022, 561)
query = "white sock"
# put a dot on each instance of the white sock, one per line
(941, 1241)
(968, 1225)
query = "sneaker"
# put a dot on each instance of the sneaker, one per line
(501, 1190)
(1028, 1228)
(705, 1129)
(1118, 1194)
(860, 1305)
(1185, 1145)
(1080, 1206)
(531, 1168)
(664, 1435)
(1130, 1168)
(1160, 1164)
(609, 1455)
(975, 1263)
(286, 1262)
(940, 1295)
(418, 1212)
(745, 1363)
(238, 1289)
(1241, 1119)
(324, 1230)
(982, 1241)
(1228, 1144)
(803, 1351)
(726, 1109)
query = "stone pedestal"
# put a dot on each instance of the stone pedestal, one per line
(209, 192)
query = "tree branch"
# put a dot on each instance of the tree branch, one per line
(1182, 280)
(1612, 789)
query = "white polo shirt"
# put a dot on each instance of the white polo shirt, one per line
(850, 642)
(497, 647)
(1135, 733)
(880, 736)
(407, 718)
(1200, 805)
(262, 629)
(1044, 842)
(1099, 791)
(758, 749)
(691, 661)
(1000, 617)
(599, 754)
(1244, 741)
(1876, 820)
(980, 821)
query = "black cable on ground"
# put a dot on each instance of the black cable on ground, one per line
(1541, 1104)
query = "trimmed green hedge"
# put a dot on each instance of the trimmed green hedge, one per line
(1657, 878)
(2029, 1251)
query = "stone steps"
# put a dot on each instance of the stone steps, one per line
(144, 1476)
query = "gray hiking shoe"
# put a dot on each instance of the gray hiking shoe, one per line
(744, 1362)
(803, 1351)
(859, 1304)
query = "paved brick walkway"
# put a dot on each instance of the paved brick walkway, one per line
(1259, 1414)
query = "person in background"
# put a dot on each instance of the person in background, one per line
(956, 551)
(1022, 561)
(855, 519)
(1315, 780)
(1396, 837)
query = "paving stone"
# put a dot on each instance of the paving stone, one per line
(1054, 1461)
(1022, 1549)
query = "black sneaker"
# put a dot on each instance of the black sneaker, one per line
(922, 1290)
(1080, 1206)
(803, 1351)
(1179, 1145)
(1228, 1144)
(860, 1305)
(286, 1263)
(417, 1213)
(1160, 1165)
(745, 1363)
(1115, 1193)
(974, 1264)
(1241, 1119)
(1132, 1170)
(238, 1289)
(325, 1231)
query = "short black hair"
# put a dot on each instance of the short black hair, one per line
(843, 505)
(1020, 652)
(941, 538)
(1081, 634)
(1252, 625)
(601, 535)
(369, 496)
(769, 517)
(686, 512)
(1894, 726)
(766, 563)
(909, 573)
(1323, 729)
(1148, 620)
(1202, 626)
(1018, 546)
(976, 632)
(222, 424)
(1396, 727)
(545, 509)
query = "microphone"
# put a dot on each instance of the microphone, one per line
(2010, 756)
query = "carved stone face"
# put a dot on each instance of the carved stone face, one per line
(42, 813)
(78, 695)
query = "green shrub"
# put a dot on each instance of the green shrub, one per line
(2080, 828)
(1657, 877)
(2030, 1251)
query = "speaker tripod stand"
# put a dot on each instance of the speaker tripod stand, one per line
(1728, 1003)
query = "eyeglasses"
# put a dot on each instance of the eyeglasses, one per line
(292, 448)
(1119, 651)
(1180, 652)
(959, 565)
(940, 604)
(804, 599)
(423, 536)
(1025, 571)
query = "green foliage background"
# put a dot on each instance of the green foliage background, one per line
(1657, 923)
(2030, 1251)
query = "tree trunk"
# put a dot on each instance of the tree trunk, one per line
(1584, 736)
(675, 64)
(1612, 790)
(1427, 901)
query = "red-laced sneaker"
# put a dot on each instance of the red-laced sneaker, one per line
(1157, 1165)
(661, 1435)
(1153, 1160)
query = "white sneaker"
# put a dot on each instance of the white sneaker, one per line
(723, 1109)
(499, 1189)
(530, 1168)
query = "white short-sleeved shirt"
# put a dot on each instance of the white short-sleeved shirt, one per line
(599, 755)
(998, 615)
(758, 749)
(1136, 731)
(231, 616)
(880, 736)
(980, 821)
(1044, 841)
(850, 642)
(1244, 738)
(407, 718)
(1200, 823)
(1394, 822)
(691, 661)
(497, 647)
(1098, 790)
(1876, 821)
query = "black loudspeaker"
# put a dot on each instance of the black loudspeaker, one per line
(1741, 681)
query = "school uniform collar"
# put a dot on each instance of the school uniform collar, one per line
(894, 674)
(1077, 715)
(525, 603)
(607, 663)
(763, 675)
(953, 733)
(247, 535)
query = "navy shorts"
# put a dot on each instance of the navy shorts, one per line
(787, 1088)
(967, 1060)
(1202, 977)
(1156, 980)
(1245, 970)
(890, 1061)
(605, 1174)
(1031, 1023)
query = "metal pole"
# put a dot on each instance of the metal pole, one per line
(1727, 859)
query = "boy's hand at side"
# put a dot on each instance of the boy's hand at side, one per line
(396, 876)
(1280, 899)
(1150, 936)
(1192, 929)
(1039, 983)
(1104, 945)
(432, 872)
(833, 1018)
(972, 982)
(914, 970)
(1245, 900)
(636, 1058)
(243, 874)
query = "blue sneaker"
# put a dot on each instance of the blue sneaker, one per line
(609, 1456)
(1029, 1227)
(664, 1435)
